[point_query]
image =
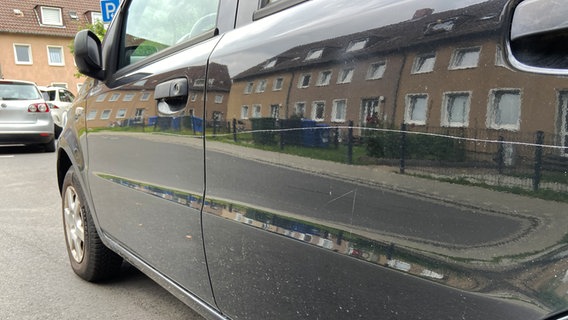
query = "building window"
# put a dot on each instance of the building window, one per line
(314, 54)
(345, 75)
(261, 86)
(114, 97)
(416, 109)
(248, 88)
(278, 83)
(465, 58)
(96, 16)
(145, 96)
(424, 63)
(244, 112)
(504, 109)
(318, 110)
(139, 115)
(370, 111)
(256, 111)
(121, 113)
(275, 111)
(563, 112)
(55, 56)
(356, 45)
(23, 53)
(219, 98)
(270, 64)
(324, 78)
(92, 115)
(376, 70)
(106, 114)
(101, 97)
(455, 110)
(51, 16)
(304, 81)
(300, 109)
(339, 110)
(128, 97)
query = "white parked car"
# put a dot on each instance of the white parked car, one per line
(59, 101)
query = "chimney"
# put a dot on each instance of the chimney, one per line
(421, 13)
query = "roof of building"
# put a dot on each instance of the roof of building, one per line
(24, 17)
(424, 31)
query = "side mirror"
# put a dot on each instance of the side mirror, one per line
(88, 54)
(539, 35)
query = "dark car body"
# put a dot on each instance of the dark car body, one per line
(326, 159)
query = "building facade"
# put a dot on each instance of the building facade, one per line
(36, 39)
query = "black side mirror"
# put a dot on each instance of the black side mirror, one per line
(539, 35)
(88, 54)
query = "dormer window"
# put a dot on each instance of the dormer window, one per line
(356, 45)
(96, 16)
(270, 64)
(314, 54)
(51, 16)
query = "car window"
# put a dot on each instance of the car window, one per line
(18, 91)
(154, 25)
(65, 96)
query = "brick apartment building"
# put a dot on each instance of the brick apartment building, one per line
(35, 37)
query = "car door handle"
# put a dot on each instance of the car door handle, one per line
(171, 96)
(175, 88)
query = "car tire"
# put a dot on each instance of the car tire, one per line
(50, 146)
(90, 258)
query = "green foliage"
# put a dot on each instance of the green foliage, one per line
(417, 146)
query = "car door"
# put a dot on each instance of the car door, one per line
(145, 128)
(361, 169)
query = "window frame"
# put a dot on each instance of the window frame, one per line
(17, 61)
(490, 120)
(314, 110)
(44, 15)
(370, 72)
(321, 82)
(301, 80)
(334, 109)
(105, 115)
(256, 114)
(278, 84)
(445, 121)
(244, 112)
(261, 86)
(408, 111)
(303, 113)
(62, 56)
(346, 75)
(457, 58)
(419, 62)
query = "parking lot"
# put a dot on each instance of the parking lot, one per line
(37, 282)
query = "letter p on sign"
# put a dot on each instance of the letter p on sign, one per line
(108, 9)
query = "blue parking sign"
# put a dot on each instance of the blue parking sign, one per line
(108, 8)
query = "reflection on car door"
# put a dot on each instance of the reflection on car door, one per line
(316, 239)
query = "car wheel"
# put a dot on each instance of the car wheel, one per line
(50, 146)
(90, 258)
